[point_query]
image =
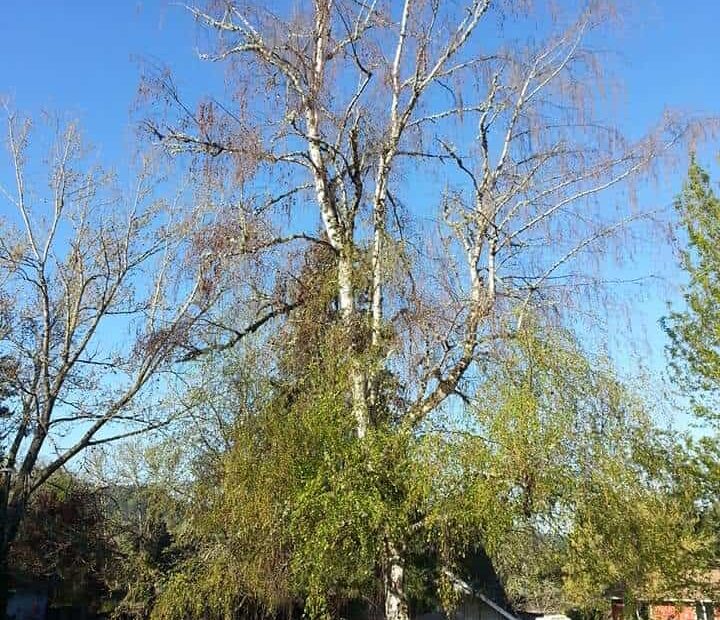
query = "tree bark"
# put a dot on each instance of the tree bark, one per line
(358, 376)
(12, 509)
(396, 607)
(4, 544)
(4, 565)
(4, 582)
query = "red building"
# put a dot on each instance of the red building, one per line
(671, 609)
(703, 604)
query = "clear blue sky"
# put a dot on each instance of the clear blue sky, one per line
(82, 56)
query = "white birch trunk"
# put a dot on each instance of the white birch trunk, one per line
(358, 375)
(396, 607)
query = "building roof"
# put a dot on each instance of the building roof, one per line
(464, 587)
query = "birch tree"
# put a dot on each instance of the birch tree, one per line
(554, 470)
(457, 162)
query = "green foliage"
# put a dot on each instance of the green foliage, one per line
(631, 532)
(694, 335)
(695, 330)
(145, 485)
(297, 511)
(560, 474)
(554, 469)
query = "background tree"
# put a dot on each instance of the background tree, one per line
(101, 291)
(695, 330)
(65, 541)
(158, 486)
(146, 508)
(694, 333)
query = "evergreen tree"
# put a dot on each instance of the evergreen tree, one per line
(695, 331)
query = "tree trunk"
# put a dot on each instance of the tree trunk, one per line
(11, 511)
(396, 607)
(4, 581)
(4, 544)
(358, 375)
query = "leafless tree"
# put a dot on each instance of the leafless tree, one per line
(102, 293)
(455, 168)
